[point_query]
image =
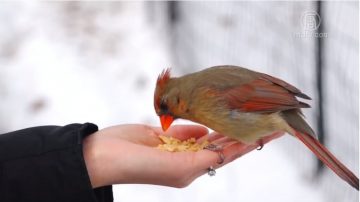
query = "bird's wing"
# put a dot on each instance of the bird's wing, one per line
(264, 94)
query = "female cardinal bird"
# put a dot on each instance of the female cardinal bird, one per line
(242, 104)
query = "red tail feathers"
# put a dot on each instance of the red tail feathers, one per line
(328, 159)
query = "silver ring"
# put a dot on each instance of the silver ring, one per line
(211, 171)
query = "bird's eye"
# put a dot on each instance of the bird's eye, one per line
(163, 106)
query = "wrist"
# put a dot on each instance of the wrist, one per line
(92, 157)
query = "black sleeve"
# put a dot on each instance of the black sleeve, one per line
(46, 163)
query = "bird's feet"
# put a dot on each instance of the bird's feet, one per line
(218, 149)
(261, 144)
(213, 147)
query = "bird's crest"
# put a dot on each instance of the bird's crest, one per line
(160, 85)
(163, 77)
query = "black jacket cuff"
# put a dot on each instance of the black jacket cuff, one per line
(46, 164)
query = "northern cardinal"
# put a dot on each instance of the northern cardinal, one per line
(241, 104)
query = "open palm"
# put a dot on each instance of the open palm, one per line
(128, 154)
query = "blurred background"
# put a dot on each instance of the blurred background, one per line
(66, 62)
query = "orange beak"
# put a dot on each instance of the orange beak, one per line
(166, 121)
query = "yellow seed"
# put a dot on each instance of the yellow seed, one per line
(175, 145)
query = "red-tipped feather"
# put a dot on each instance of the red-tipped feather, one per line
(328, 159)
(163, 77)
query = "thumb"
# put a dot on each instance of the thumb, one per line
(205, 158)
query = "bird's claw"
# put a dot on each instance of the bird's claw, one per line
(218, 149)
(261, 145)
(213, 147)
(221, 157)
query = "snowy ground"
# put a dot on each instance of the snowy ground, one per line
(56, 72)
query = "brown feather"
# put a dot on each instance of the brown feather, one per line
(286, 85)
(263, 96)
(328, 159)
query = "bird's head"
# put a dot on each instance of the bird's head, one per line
(167, 99)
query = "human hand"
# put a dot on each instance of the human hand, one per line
(126, 154)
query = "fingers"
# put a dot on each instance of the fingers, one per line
(223, 141)
(234, 150)
(214, 136)
(206, 159)
(136, 133)
(147, 135)
(211, 137)
(195, 164)
(203, 159)
(184, 132)
(237, 150)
